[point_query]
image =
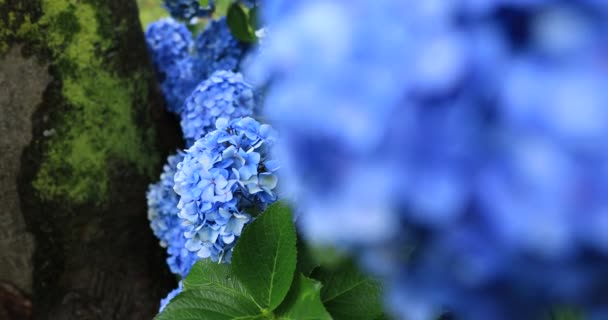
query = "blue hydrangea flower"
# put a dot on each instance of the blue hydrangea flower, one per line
(224, 179)
(164, 302)
(164, 220)
(162, 202)
(217, 49)
(169, 43)
(180, 260)
(223, 95)
(188, 9)
(178, 83)
(470, 131)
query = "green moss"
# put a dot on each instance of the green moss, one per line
(6, 29)
(4, 35)
(27, 29)
(98, 125)
(15, 20)
(150, 11)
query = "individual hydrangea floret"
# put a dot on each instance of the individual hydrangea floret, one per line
(164, 302)
(164, 221)
(224, 95)
(188, 9)
(217, 49)
(224, 179)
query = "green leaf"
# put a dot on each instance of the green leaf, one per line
(348, 294)
(254, 20)
(303, 301)
(566, 313)
(238, 22)
(208, 273)
(306, 263)
(210, 303)
(264, 258)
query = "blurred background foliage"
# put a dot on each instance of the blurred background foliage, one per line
(150, 11)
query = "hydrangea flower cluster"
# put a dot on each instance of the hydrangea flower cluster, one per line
(188, 9)
(169, 41)
(166, 225)
(169, 44)
(224, 179)
(470, 131)
(223, 95)
(181, 63)
(217, 49)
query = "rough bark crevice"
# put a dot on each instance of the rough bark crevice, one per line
(22, 82)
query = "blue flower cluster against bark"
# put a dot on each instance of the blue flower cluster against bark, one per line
(464, 137)
(169, 43)
(224, 179)
(199, 82)
(164, 221)
(223, 95)
(182, 63)
(217, 49)
(188, 9)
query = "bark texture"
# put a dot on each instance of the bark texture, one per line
(82, 134)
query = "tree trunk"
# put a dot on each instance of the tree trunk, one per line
(82, 133)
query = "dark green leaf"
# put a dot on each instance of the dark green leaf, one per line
(566, 313)
(348, 294)
(306, 262)
(205, 273)
(238, 21)
(303, 301)
(254, 18)
(210, 303)
(264, 258)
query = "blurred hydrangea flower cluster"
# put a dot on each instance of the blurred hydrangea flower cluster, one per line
(188, 9)
(456, 146)
(166, 225)
(181, 63)
(169, 44)
(224, 179)
(223, 95)
(216, 48)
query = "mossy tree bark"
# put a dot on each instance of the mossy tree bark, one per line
(82, 133)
